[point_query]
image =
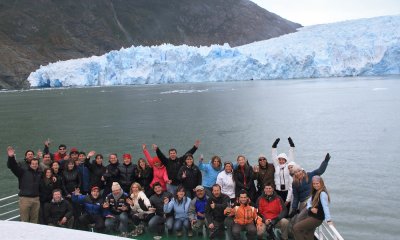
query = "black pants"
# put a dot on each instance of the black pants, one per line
(97, 220)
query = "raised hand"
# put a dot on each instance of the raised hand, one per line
(39, 154)
(144, 146)
(47, 142)
(291, 143)
(91, 154)
(10, 151)
(275, 144)
(197, 143)
(327, 157)
(256, 168)
(155, 147)
(166, 200)
(184, 174)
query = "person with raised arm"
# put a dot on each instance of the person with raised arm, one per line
(302, 184)
(96, 169)
(160, 174)
(283, 180)
(263, 173)
(58, 156)
(211, 171)
(317, 211)
(29, 185)
(173, 163)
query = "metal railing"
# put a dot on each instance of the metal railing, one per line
(9, 208)
(327, 232)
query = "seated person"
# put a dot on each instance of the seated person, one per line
(59, 212)
(93, 209)
(117, 210)
(272, 210)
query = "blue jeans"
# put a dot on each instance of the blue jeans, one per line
(169, 223)
(156, 223)
(181, 222)
(121, 220)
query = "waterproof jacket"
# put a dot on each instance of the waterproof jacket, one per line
(227, 183)
(181, 209)
(28, 179)
(173, 166)
(55, 211)
(144, 177)
(244, 214)
(244, 179)
(302, 191)
(85, 177)
(71, 179)
(115, 203)
(126, 175)
(111, 175)
(282, 176)
(96, 172)
(192, 179)
(91, 205)
(210, 173)
(271, 207)
(217, 214)
(197, 205)
(157, 201)
(46, 188)
(264, 176)
(159, 173)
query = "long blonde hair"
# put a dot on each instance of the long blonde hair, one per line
(315, 195)
(139, 188)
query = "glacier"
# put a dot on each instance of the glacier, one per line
(363, 47)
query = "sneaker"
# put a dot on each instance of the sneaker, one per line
(134, 233)
(124, 234)
(179, 233)
(190, 233)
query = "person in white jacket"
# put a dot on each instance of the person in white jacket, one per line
(140, 207)
(225, 181)
(283, 180)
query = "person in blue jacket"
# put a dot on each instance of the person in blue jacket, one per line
(301, 185)
(211, 171)
(93, 209)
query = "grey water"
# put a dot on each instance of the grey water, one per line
(356, 120)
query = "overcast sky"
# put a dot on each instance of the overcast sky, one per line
(310, 12)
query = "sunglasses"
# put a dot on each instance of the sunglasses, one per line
(262, 159)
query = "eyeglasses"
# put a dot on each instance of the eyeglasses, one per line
(62, 149)
(262, 159)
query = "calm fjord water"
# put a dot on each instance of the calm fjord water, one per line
(354, 119)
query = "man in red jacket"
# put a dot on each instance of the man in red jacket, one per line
(272, 210)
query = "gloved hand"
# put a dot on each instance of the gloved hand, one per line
(142, 205)
(275, 144)
(291, 143)
(327, 157)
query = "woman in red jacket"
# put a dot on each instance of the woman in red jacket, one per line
(159, 170)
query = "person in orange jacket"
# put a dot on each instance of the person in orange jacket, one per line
(244, 216)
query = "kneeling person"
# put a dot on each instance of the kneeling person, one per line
(117, 206)
(93, 207)
(244, 217)
(59, 211)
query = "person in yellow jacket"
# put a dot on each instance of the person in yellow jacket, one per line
(245, 217)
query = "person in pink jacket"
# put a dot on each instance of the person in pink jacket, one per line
(159, 171)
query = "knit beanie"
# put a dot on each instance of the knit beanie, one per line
(115, 186)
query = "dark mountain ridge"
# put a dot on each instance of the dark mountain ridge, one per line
(34, 33)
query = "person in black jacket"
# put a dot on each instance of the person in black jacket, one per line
(173, 164)
(215, 216)
(71, 179)
(126, 172)
(244, 178)
(29, 182)
(157, 205)
(112, 173)
(96, 170)
(144, 176)
(59, 211)
(190, 176)
(48, 183)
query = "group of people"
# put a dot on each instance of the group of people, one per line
(71, 190)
